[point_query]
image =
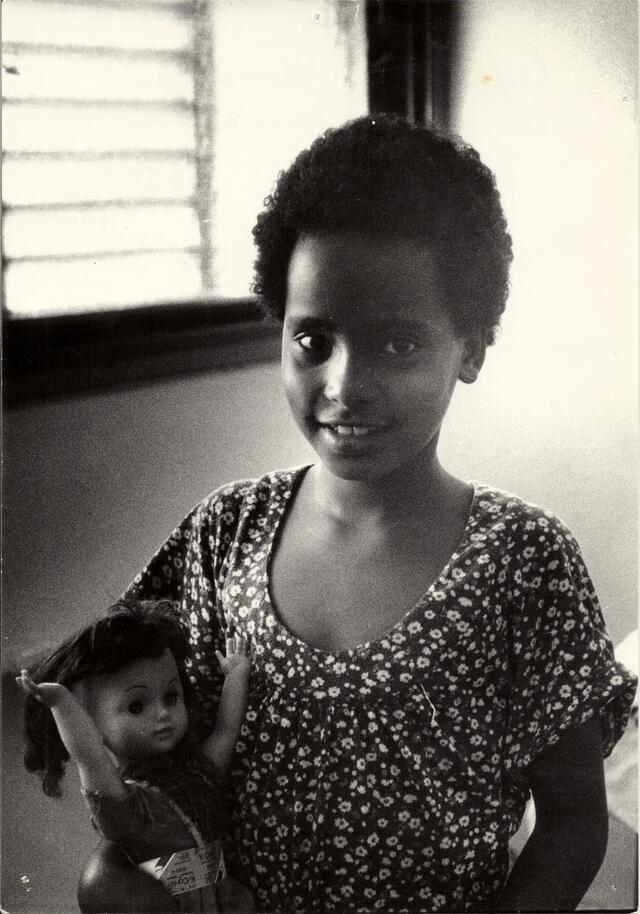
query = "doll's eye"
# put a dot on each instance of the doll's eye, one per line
(135, 707)
(171, 699)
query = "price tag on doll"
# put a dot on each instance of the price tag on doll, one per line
(188, 870)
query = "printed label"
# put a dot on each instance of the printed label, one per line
(188, 870)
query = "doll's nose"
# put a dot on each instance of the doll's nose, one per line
(162, 711)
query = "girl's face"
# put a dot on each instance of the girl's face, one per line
(140, 709)
(370, 357)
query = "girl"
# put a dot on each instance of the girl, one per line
(428, 652)
(115, 697)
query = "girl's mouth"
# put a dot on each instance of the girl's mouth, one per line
(342, 435)
(347, 431)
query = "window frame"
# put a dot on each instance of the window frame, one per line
(73, 354)
(66, 355)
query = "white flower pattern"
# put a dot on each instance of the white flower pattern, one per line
(391, 776)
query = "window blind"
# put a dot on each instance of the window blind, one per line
(106, 153)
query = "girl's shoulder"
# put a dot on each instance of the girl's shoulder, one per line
(532, 536)
(253, 496)
(502, 509)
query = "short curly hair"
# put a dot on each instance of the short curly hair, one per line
(381, 175)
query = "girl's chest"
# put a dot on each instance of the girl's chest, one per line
(409, 626)
(338, 596)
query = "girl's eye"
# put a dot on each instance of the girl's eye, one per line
(171, 699)
(313, 343)
(400, 347)
(135, 707)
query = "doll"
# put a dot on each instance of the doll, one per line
(115, 697)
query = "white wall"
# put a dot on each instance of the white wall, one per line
(93, 485)
(547, 92)
(306, 59)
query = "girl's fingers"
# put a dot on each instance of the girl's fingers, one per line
(236, 644)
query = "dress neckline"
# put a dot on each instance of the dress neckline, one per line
(293, 483)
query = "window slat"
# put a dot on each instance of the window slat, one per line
(32, 181)
(114, 25)
(98, 155)
(29, 127)
(95, 256)
(48, 287)
(15, 48)
(82, 231)
(113, 202)
(51, 74)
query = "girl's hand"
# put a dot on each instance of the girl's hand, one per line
(237, 659)
(50, 694)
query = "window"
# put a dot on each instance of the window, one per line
(105, 172)
(113, 154)
(140, 139)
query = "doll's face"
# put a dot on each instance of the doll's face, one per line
(140, 709)
(370, 356)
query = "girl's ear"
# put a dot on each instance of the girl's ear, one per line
(475, 348)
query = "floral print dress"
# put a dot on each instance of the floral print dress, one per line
(391, 776)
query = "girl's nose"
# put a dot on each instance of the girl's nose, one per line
(349, 379)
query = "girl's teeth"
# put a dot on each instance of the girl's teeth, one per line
(357, 430)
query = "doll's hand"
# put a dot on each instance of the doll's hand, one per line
(237, 660)
(49, 694)
(219, 746)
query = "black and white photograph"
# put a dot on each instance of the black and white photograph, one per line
(319, 456)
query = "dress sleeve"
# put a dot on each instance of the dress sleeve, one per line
(562, 661)
(189, 569)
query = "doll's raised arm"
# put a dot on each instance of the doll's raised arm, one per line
(236, 666)
(81, 737)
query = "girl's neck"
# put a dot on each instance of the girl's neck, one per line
(388, 500)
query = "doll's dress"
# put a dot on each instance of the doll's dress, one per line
(174, 802)
(391, 776)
